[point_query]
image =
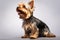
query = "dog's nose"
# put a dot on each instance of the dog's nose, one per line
(17, 9)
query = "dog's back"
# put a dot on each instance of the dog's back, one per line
(44, 30)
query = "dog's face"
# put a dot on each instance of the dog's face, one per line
(25, 10)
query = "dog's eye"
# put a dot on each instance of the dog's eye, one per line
(24, 6)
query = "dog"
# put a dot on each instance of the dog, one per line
(33, 27)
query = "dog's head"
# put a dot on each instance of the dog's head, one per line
(25, 10)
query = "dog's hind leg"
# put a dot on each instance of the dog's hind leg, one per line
(49, 34)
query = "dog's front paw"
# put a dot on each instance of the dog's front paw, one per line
(33, 37)
(24, 37)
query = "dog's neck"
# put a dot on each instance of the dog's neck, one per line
(29, 19)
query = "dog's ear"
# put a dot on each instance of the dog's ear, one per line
(31, 3)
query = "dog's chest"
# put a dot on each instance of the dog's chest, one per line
(28, 26)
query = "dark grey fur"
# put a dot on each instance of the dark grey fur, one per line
(40, 25)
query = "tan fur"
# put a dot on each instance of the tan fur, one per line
(29, 8)
(35, 30)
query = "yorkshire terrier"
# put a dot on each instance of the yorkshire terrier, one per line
(33, 27)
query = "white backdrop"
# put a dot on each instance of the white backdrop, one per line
(46, 10)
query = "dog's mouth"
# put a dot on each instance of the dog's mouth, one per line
(21, 14)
